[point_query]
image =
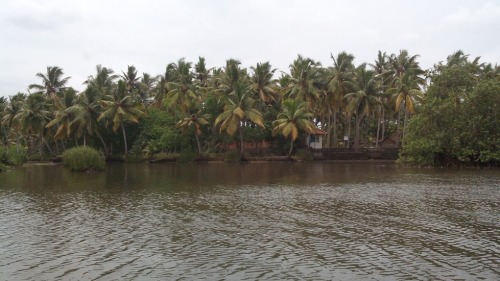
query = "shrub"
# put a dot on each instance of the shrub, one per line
(17, 155)
(233, 156)
(187, 156)
(13, 155)
(304, 154)
(83, 158)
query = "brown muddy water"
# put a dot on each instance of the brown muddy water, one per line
(261, 221)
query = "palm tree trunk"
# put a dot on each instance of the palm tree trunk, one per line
(197, 142)
(335, 134)
(241, 139)
(102, 141)
(47, 144)
(405, 122)
(378, 131)
(348, 130)
(124, 137)
(383, 124)
(84, 139)
(397, 128)
(291, 149)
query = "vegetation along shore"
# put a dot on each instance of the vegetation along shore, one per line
(444, 116)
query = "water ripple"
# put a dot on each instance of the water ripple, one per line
(416, 227)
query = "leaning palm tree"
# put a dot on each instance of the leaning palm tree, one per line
(195, 120)
(119, 108)
(294, 117)
(52, 82)
(239, 108)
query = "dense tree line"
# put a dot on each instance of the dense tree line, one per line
(194, 107)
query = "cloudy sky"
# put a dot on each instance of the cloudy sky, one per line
(78, 35)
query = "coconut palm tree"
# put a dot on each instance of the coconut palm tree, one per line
(407, 92)
(239, 108)
(161, 89)
(304, 81)
(339, 79)
(11, 109)
(119, 108)
(181, 91)
(61, 116)
(104, 80)
(195, 120)
(294, 117)
(85, 112)
(364, 100)
(263, 84)
(33, 117)
(52, 82)
(131, 79)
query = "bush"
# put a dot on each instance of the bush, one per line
(83, 158)
(13, 155)
(233, 156)
(304, 154)
(187, 156)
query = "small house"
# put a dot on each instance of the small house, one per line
(315, 139)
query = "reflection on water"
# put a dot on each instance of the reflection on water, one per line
(302, 221)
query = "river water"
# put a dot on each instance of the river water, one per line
(262, 221)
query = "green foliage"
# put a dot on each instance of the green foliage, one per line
(187, 156)
(83, 158)
(459, 123)
(304, 154)
(233, 156)
(13, 155)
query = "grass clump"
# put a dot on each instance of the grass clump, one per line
(83, 158)
(12, 156)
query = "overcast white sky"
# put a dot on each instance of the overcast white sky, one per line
(78, 35)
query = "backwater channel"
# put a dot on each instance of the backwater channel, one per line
(255, 221)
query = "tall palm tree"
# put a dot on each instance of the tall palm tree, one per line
(303, 81)
(294, 117)
(33, 117)
(262, 82)
(195, 120)
(119, 108)
(85, 112)
(202, 74)
(161, 89)
(130, 78)
(339, 78)
(181, 91)
(11, 109)
(52, 82)
(364, 99)
(407, 92)
(103, 81)
(239, 108)
(62, 117)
